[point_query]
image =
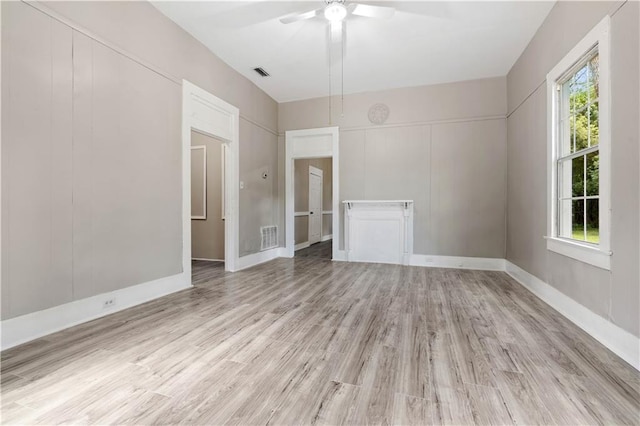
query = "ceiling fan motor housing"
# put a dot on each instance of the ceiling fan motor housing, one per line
(335, 10)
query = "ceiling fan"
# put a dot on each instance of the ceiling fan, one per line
(336, 11)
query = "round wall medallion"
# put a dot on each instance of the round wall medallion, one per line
(378, 113)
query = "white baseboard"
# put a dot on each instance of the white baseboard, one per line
(301, 246)
(619, 341)
(207, 260)
(433, 261)
(261, 257)
(479, 263)
(22, 329)
(327, 237)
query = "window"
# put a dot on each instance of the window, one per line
(578, 153)
(578, 95)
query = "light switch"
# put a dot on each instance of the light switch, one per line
(241, 184)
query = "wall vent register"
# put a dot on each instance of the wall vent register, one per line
(261, 71)
(269, 236)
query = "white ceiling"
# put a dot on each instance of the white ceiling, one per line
(423, 43)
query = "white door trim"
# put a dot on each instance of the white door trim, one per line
(318, 172)
(210, 115)
(295, 148)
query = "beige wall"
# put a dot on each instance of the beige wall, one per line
(436, 143)
(142, 30)
(98, 126)
(614, 295)
(259, 198)
(301, 195)
(207, 235)
(149, 35)
(37, 242)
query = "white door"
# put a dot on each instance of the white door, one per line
(315, 205)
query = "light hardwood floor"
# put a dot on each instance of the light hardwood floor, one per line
(320, 250)
(308, 341)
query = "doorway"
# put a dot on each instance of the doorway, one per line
(207, 198)
(311, 145)
(313, 200)
(205, 114)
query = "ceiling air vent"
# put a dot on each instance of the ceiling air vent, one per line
(261, 71)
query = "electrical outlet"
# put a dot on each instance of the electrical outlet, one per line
(109, 303)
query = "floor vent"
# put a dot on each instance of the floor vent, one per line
(269, 237)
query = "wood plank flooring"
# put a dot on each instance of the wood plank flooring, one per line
(309, 341)
(320, 250)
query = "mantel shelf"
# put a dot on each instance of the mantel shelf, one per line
(377, 204)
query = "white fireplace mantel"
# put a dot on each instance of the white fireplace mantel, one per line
(379, 231)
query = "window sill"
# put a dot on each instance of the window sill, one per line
(585, 253)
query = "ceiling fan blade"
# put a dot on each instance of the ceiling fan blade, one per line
(372, 11)
(239, 14)
(432, 9)
(295, 17)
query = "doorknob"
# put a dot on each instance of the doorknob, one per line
(310, 212)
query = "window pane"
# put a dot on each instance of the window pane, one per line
(572, 134)
(577, 173)
(577, 220)
(593, 223)
(581, 130)
(564, 109)
(571, 178)
(571, 219)
(578, 89)
(565, 140)
(593, 173)
(593, 118)
(565, 228)
(594, 75)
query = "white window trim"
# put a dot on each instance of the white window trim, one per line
(597, 255)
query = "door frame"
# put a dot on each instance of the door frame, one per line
(311, 143)
(209, 115)
(318, 172)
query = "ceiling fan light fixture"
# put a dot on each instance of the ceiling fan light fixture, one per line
(335, 12)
